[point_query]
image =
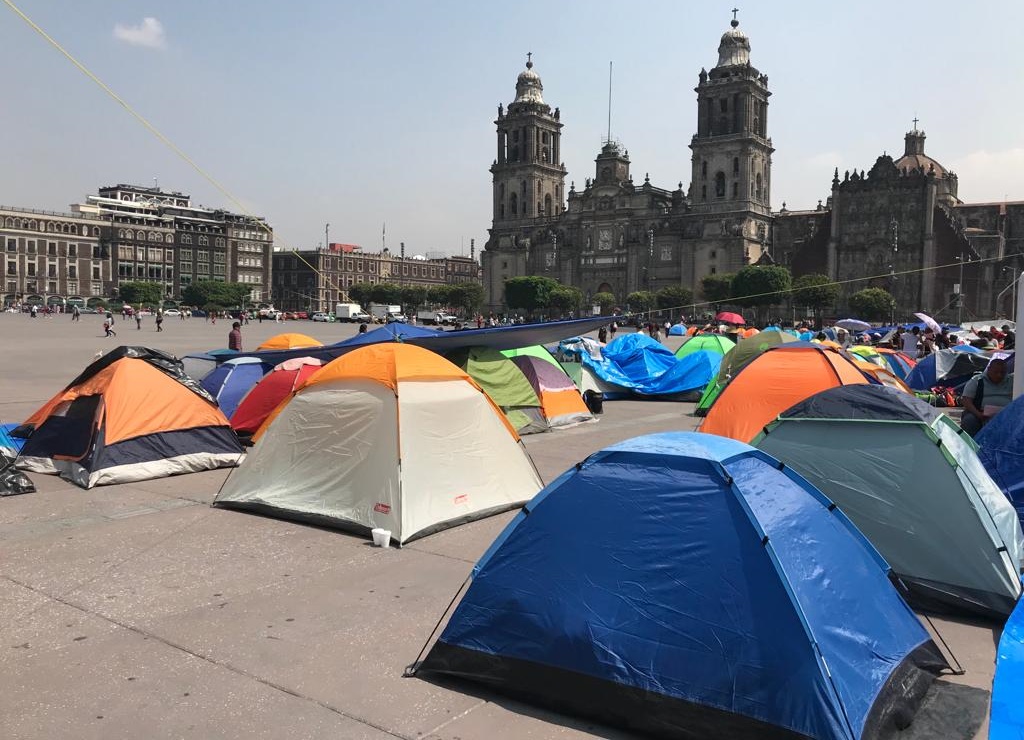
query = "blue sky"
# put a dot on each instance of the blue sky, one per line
(356, 114)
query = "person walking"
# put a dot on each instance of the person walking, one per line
(138, 320)
(76, 314)
(910, 342)
(108, 326)
(235, 337)
(159, 319)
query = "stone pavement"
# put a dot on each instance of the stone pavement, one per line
(137, 611)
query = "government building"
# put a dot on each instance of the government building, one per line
(127, 233)
(899, 226)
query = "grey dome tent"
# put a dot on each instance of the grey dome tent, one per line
(916, 489)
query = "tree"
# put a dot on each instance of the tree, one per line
(640, 301)
(387, 294)
(673, 296)
(815, 291)
(467, 296)
(605, 300)
(360, 293)
(215, 293)
(413, 296)
(760, 285)
(873, 304)
(529, 292)
(717, 288)
(440, 295)
(565, 298)
(141, 292)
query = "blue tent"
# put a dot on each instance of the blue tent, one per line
(946, 367)
(1001, 451)
(394, 332)
(6, 440)
(230, 381)
(677, 330)
(1006, 720)
(649, 368)
(688, 585)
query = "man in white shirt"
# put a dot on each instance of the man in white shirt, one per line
(910, 342)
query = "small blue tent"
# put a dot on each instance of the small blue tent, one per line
(1001, 451)
(1006, 720)
(677, 330)
(230, 381)
(688, 585)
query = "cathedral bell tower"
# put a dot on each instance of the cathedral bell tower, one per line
(529, 179)
(732, 154)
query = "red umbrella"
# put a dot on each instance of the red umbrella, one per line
(728, 317)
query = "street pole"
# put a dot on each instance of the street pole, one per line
(960, 292)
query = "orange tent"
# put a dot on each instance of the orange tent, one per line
(774, 381)
(131, 415)
(290, 341)
(880, 375)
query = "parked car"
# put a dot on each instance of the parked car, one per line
(301, 315)
(172, 312)
(321, 316)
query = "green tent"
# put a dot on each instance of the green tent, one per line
(505, 384)
(708, 342)
(913, 484)
(536, 350)
(735, 360)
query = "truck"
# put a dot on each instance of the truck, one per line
(385, 312)
(350, 312)
(436, 318)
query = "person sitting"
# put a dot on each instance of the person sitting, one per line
(985, 395)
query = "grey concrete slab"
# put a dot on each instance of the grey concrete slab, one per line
(128, 685)
(369, 623)
(505, 719)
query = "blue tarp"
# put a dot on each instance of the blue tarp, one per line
(684, 579)
(229, 382)
(499, 338)
(649, 368)
(6, 440)
(1006, 720)
(1001, 451)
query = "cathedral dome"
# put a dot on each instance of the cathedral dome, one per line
(528, 85)
(914, 157)
(734, 48)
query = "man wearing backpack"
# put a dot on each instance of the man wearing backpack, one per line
(985, 395)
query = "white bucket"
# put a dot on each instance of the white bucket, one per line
(381, 537)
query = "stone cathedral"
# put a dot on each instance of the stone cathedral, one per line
(894, 224)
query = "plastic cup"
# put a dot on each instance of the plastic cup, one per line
(381, 537)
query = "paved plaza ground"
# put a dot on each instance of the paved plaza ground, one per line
(138, 611)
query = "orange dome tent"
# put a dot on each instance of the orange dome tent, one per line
(774, 381)
(290, 341)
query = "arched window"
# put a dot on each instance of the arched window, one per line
(95, 230)
(73, 229)
(501, 191)
(547, 206)
(169, 239)
(704, 192)
(539, 209)
(120, 233)
(49, 225)
(513, 205)
(522, 188)
(9, 223)
(501, 212)
(757, 185)
(735, 190)
(515, 154)
(545, 155)
(735, 165)
(129, 234)
(704, 169)
(719, 184)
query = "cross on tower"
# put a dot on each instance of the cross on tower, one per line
(915, 123)
(734, 12)
(529, 59)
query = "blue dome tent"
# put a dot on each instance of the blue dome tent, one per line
(707, 592)
(230, 381)
(1001, 451)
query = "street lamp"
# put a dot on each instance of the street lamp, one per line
(960, 290)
